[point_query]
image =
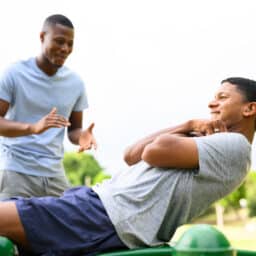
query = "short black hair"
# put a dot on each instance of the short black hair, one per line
(245, 85)
(58, 19)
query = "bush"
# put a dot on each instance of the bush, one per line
(83, 169)
(251, 193)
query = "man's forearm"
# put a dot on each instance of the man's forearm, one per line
(74, 135)
(14, 129)
(133, 153)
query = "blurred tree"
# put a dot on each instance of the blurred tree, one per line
(246, 190)
(232, 201)
(251, 193)
(83, 169)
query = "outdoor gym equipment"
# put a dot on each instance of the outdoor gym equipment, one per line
(198, 240)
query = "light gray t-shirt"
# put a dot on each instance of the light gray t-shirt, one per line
(146, 204)
(32, 94)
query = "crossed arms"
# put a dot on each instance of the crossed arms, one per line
(172, 147)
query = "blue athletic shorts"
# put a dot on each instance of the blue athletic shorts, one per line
(74, 224)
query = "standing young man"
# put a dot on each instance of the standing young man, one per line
(39, 98)
(174, 178)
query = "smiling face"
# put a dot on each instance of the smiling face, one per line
(57, 44)
(229, 105)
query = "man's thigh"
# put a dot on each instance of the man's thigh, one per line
(14, 184)
(10, 225)
(55, 186)
(73, 224)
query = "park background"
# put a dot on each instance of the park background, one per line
(147, 64)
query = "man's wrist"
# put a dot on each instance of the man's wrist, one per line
(30, 129)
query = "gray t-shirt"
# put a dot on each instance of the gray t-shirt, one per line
(146, 204)
(32, 94)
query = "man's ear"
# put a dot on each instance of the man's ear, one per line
(42, 34)
(250, 109)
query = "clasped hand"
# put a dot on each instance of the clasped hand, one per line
(201, 127)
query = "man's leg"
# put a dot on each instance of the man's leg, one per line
(15, 184)
(10, 224)
(55, 186)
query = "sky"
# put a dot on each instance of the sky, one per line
(147, 64)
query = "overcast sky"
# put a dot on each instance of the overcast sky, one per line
(147, 64)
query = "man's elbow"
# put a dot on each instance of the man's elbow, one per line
(149, 155)
(128, 160)
(127, 157)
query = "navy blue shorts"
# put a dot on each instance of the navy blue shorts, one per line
(74, 224)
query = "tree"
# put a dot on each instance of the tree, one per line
(251, 192)
(83, 169)
(232, 201)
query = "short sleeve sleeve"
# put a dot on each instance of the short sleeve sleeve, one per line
(7, 86)
(224, 158)
(82, 101)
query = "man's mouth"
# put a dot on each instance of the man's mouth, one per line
(60, 57)
(215, 112)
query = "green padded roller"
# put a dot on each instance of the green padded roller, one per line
(6, 247)
(203, 240)
(199, 240)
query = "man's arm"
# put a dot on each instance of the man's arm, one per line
(77, 136)
(198, 127)
(171, 151)
(10, 128)
(75, 128)
(133, 153)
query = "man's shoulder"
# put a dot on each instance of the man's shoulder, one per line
(68, 73)
(18, 65)
(227, 148)
(224, 137)
(226, 145)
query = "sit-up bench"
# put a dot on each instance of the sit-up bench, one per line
(198, 240)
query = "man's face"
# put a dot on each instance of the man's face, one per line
(228, 105)
(57, 44)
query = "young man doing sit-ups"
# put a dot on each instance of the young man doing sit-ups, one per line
(175, 175)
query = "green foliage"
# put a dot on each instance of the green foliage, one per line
(231, 201)
(79, 167)
(251, 193)
(100, 177)
(247, 190)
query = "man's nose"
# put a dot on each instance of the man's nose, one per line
(65, 47)
(212, 103)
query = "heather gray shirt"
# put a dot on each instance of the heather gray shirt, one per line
(146, 204)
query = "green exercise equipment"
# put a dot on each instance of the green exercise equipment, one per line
(199, 240)
(156, 251)
(7, 248)
(203, 240)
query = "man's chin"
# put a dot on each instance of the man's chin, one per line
(214, 118)
(58, 64)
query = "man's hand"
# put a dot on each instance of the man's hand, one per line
(206, 127)
(87, 140)
(52, 120)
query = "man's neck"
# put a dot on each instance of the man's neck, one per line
(247, 131)
(46, 66)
